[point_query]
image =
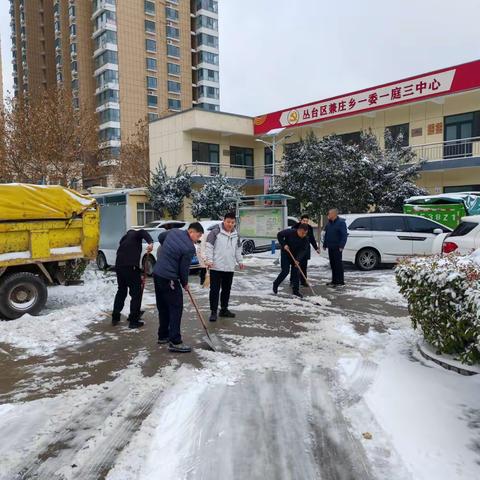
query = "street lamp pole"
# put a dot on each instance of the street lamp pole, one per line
(273, 147)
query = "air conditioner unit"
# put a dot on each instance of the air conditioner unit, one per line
(170, 42)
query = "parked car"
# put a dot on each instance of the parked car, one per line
(149, 259)
(383, 238)
(165, 224)
(465, 238)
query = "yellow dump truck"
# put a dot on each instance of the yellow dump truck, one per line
(42, 229)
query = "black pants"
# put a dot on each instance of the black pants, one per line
(203, 275)
(220, 281)
(129, 280)
(304, 267)
(286, 264)
(335, 256)
(169, 298)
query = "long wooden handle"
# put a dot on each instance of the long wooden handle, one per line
(199, 313)
(301, 271)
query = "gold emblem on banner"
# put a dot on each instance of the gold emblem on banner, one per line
(293, 117)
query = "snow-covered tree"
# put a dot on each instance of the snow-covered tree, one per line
(167, 193)
(394, 170)
(326, 173)
(216, 198)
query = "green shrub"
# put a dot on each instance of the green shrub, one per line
(443, 295)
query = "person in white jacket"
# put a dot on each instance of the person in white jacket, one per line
(223, 251)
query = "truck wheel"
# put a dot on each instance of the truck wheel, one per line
(367, 259)
(22, 293)
(248, 247)
(148, 264)
(101, 261)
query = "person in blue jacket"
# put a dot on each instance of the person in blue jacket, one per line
(170, 275)
(334, 240)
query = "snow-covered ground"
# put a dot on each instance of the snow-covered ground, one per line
(294, 397)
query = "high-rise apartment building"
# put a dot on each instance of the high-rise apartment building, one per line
(127, 60)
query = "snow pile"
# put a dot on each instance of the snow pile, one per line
(68, 314)
(385, 289)
(428, 412)
(443, 294)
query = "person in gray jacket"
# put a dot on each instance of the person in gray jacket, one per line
(222, 252)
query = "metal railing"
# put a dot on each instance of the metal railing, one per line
(452, 149)
(448, 150)
(238, 172)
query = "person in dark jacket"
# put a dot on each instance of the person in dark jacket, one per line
(129, 275)
(335, 240)
(311, 238)
(170, 275)
(296, 242)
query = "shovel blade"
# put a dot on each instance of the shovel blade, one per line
(214, 342)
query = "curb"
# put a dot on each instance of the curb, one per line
(446, 361)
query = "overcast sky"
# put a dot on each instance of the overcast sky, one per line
(280, 53)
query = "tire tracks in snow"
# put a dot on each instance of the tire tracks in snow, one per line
(87, 443)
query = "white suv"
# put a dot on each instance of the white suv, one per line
(375, 238)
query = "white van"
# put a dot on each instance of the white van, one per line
(375, 238)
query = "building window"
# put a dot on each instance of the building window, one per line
(458, 132)
(107, 77)
(207, 74)
(173, 86)
(152, 116)
(152, 82)
(173, 68)
(146, 214)
(171, 13)
(152, 64)
(268, 158)
(207, 22)
(397, 130)
(149, 26)
(107, 96)
(109, 134)
(208, 106)
(149, 7)
(209, 92)
(210, 5)
(205, 152)
(173, 51)
(351, 138)
(174, 104)
(150, 45)
(208, 57)
(106, 18)
(152, 100)
(109, 115)
(242, 157)
(173, 32)
(108, 36)
(108, 56)
(208, 40)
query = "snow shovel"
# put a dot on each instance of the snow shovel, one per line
(210, 338)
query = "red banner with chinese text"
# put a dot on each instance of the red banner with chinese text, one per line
(413, 89)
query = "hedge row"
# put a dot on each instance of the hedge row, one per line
(443, 295)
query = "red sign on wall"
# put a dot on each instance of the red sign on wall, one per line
(421, 87)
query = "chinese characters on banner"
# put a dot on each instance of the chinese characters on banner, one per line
(371, 99)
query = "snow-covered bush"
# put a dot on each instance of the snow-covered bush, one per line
(443, 295)
(167, 193)
(216, 198)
